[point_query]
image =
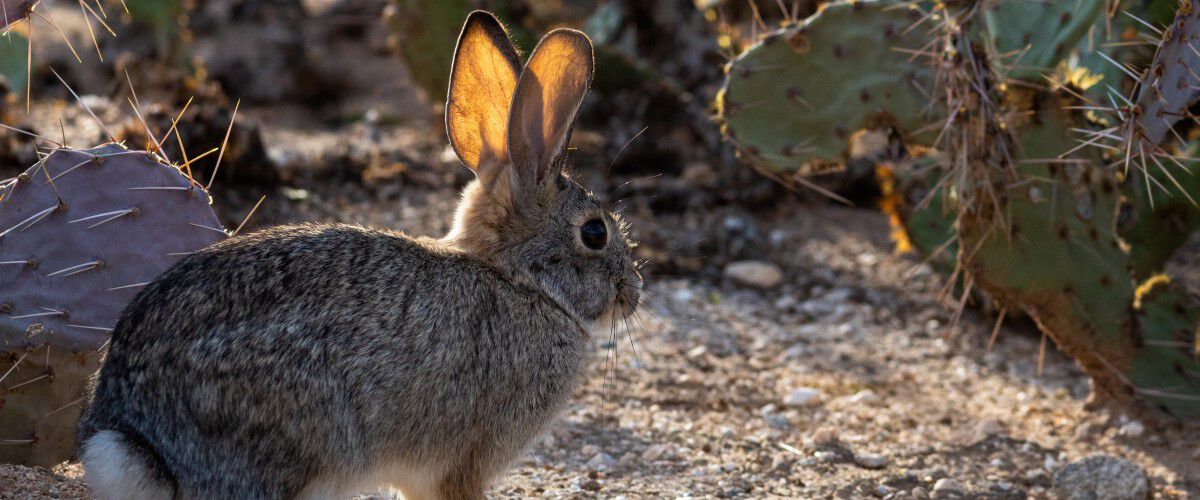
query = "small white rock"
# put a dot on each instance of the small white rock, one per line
(601, 461)
(796, 351)
(589, 450)
(683, 295)
(945, 487)
(754, 273)
(864, 396)
(804, 396)
(654, 452)
(1132, 429)
(870, 460)
(825, 456)
(990, 427)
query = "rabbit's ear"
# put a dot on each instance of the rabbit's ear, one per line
(548, 95)
(482, 80)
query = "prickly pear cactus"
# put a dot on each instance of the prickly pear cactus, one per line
(80, 233)
(791, 102)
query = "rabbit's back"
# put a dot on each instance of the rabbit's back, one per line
(319, 353)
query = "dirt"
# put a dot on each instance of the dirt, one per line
(703, 393)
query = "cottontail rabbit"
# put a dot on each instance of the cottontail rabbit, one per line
(315, 361)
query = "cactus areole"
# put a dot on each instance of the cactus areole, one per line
(80, 233)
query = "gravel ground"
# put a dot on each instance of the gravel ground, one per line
(845, 380)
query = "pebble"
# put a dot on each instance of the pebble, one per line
(1132, 429)
(683, 295)
(1101, 476)
(826, 456)
(754, 273)
(796, 351)
(1037, 477)
(655, 452)
(589, 450)
(779, 421)
(804, 396)
(990, 427)
(601, 461)
(870, 460)
(948, 488)
(824, 437)
(590, 485)
(864, 396)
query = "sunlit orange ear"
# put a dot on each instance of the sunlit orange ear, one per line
(548, 95)
(482, 80)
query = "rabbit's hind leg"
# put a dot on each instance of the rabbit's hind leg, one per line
(116, 468)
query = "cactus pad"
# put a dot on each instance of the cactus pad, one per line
(1172, 85)
(1032, 36)
(80, 233)
(792, 101)
(1056, 253)
(1165, 369)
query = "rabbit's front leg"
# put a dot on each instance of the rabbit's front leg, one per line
(464, 482)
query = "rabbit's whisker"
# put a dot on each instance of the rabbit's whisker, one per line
(622, 150)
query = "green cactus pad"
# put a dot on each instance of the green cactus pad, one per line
(1166, 368)
(1060, 237)
(1032, 36)
(1159, 216)
(792, 101)
(80, 233)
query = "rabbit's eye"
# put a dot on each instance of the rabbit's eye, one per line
(594, 234)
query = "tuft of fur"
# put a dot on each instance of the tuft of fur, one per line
(318, 360)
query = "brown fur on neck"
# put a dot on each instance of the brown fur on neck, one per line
(490, 218)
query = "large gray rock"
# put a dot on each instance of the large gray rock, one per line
(1101, 477)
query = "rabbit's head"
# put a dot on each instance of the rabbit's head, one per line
(522, 213)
